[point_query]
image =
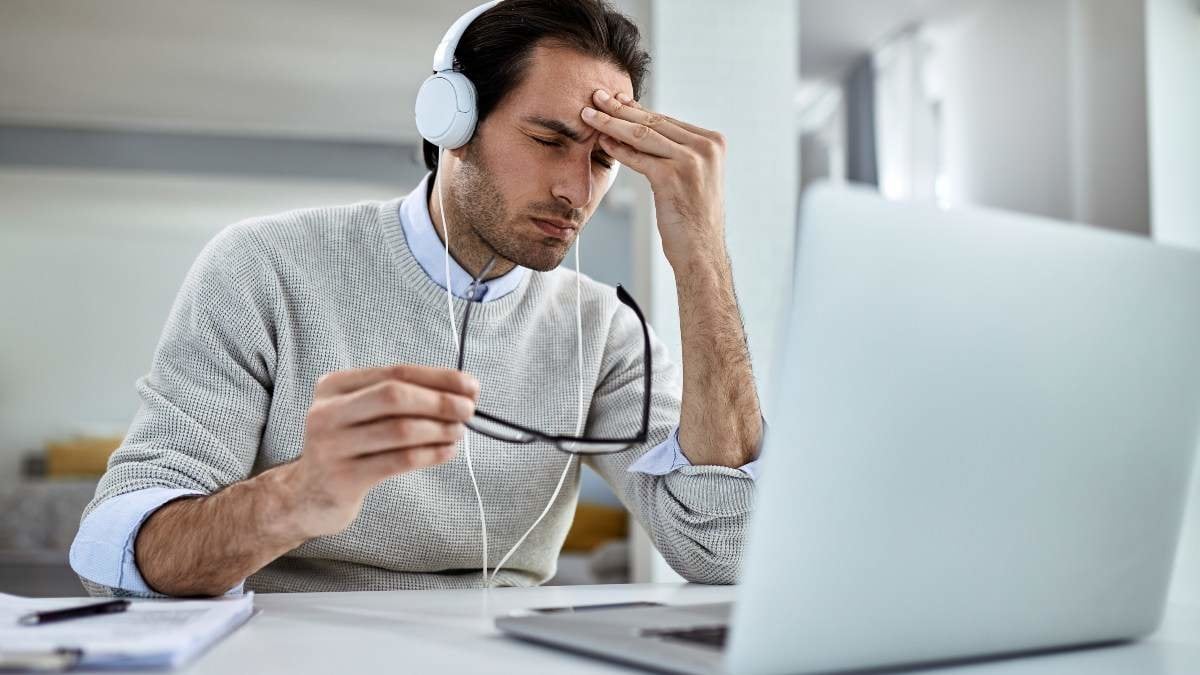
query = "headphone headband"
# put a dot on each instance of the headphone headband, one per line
(445, 107)
(443, 58)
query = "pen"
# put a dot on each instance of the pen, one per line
(110, 607)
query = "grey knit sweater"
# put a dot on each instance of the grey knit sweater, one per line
(273, 303)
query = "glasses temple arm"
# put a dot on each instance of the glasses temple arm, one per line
(647, 358)
(462, 335)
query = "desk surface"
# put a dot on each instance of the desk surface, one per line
(452, 632)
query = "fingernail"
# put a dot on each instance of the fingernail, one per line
(602, 96)
(624, 98)
(589, 113)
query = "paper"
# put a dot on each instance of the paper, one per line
(150, 633)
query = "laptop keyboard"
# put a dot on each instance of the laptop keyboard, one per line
(710, 636)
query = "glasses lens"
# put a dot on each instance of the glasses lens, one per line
(498, 431)
(592, 447)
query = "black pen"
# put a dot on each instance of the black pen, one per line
(110, 607)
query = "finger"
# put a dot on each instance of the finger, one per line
(630, 157)
(699, 131)
(385, 464)
(637, 115)
(445, 379)
(638, 136)
(396, 433)
(391, 398)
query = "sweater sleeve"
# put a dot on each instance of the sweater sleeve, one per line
(668, 456)
(205, 400)
(696, 515)
(103, 550)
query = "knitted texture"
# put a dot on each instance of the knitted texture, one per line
(273, 303)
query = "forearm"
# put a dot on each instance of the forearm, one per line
(720, 421)
(364, 426)
(204, 546)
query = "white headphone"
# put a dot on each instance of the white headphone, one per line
(445, 112)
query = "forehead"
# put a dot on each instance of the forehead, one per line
(559, 82)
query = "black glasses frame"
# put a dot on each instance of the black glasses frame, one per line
(560, 441)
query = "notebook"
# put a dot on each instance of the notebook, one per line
(149, 634)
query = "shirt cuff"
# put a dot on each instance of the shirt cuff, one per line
(103, 550)
(667, 457)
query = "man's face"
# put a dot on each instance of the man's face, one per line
(533, 163)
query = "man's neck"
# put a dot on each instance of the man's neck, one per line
(467, 249)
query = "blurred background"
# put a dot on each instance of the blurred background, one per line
(132, 131)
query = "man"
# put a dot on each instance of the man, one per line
(300, 426)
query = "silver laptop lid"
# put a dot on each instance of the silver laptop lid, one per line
(980, 438)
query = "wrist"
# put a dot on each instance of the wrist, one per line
(700, 274)
(279, 507)
(699, 257)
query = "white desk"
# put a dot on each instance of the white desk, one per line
(452, 632)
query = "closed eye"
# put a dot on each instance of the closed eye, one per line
(602, 160)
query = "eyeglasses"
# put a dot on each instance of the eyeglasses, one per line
(511, 432)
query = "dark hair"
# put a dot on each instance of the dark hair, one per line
(495, 48)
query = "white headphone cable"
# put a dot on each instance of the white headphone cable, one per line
(454, 341)
(578, 423)
(489, 580)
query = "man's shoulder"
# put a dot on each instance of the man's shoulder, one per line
(298, 239)
(306, 228)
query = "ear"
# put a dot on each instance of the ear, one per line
(460, 153)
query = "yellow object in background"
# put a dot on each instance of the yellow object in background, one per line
(80, 456)
(594, 525)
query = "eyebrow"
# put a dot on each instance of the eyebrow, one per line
(556, 126)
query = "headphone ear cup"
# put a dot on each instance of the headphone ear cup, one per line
(445, 111)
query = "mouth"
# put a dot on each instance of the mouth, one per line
(559, 229)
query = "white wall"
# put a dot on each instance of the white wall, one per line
(1004, 70)
(1044, 109)
(1110, 160)
(347, 70)
(732, 67)
(1173, 67)
(90, 263)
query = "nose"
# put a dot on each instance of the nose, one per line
(574, 184)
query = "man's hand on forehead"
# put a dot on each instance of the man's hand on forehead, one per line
(683, 162)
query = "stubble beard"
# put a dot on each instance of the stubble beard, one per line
(481, 207)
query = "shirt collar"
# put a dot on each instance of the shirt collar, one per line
(429, 251)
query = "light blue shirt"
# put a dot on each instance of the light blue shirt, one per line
(103, 550)
(427, 248)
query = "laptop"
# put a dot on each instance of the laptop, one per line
(981, 437)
